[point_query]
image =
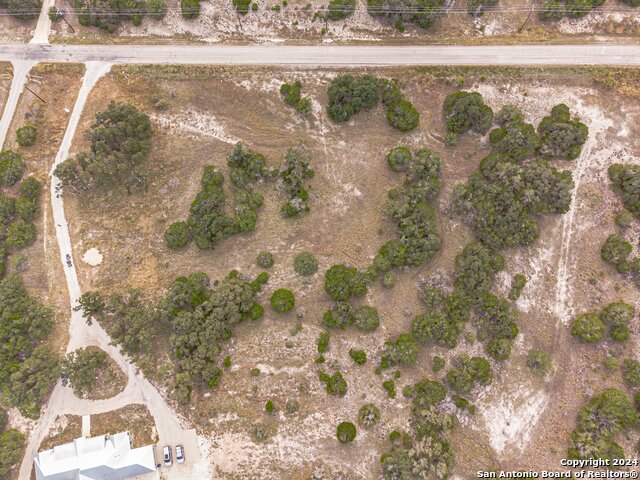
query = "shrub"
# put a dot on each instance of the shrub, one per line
(508, 114)
(282, 300)
(348, 95)
(366, 318)
(305, 264)
(437, 363)
(11, 448)
(346, 432)
(475, 269)
(292, 406)
(323, 342)
(617, 314)
(538, 362)
(615, 251)
(265, 259)
(156, 9)
(516, 140)
(30, 189)
(292, 97)
(190, 8)
(551, 10)
(422, 13)
(26, 135)
(178, 235)
(626, 179)
(588, 328)
(339, 316)
(389, 387)
(388, 280)
(434, 326)
(620, 334)
(20, 234)
(11, 168)
(27, 209)
(341, 282)
(368, 415)
(335, 384)
(476, 7)
(466, 111)
(624, 218)
(358, 356)
(398, 158)
(339, 9)
(517, 284)
(401, 351)
(403, 116)
(561, 136)
(467, 373)
(631, 372)
(269, 407)
(499, 348)
(294, 172)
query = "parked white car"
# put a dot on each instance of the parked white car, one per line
(179, 454)
(167, 457)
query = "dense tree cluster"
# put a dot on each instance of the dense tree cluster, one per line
(339, 9)
(467, 372)
(409, 206)
(119, 147)
(81, 368)
(555, 10)
(294, 172)
(11, 445)
(496, 324)
(349, 95)
(208, 222)
(110, 14)
(590, 327)
(430, 451)
(517, 284)
(402, 351)
(22, 10)
(291, 93)
(28, 368)
(560, 136)
(342, 315)
(342, 281)
(626, 181)
(603, 417)
(423, 13)
(11, 168)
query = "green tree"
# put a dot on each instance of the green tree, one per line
(341, 282)
(561, 136)
(466, 111)
(26, 135)
(305, 264)
(348, 95)
(368, 415)
(551, 10)
(294, 172)
(11, 168)
(403, 115)
(398, 158)
(615, 251)
(81, 367)
(156, 9)
(190, 8)
(366, 318)
(401, 351)
(20, 234)
(468, 372)
(346, 432)
(11, 447)
(178, 235)
(358, 356)
(626, 180)
(588, 328)
(265, 259)
(422, 13)
(631, 372)
(282, 300)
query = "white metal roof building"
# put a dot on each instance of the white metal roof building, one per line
(106, 457)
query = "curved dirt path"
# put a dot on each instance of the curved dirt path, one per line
(138, 389)
(21, 70)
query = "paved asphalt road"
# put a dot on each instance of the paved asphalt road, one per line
(326, 55)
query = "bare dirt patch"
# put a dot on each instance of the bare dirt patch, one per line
(135, 419)
(65, 429)
(523, 422)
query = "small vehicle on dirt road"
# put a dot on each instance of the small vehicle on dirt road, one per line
(68, 258)
(166, 456)
(179, 454)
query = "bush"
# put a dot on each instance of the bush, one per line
(368, 415)
(422, 13)
(398, 158)
(178, 235)
(341, 282)
(339, 9)
(617, 314)
(517, 284)
(339, 316)
(30, 189)
(282, 300)
(615, 251)
(11, 448)
(335, 384)
(269, 408)
(619, 334)
(467, 373)
(366, 318)
(11, 168)
(389, 387)
(20, 234)
(466, 111)
(435, 327)
(305, 264)
(401, 351)
(346, 432)
(265, 259)
(508, 114)
(538, 362)
(561, 136)
(499, 348)
(294, 172)
(624, 218)
(516, 140)
(631, 372)
(26, 135)
(437, 363)
(323, 342)
(476, 7)
(156, 9)
(348, 95)
(588, 328)
(292, 97)
(626, 180)
(551, 10)
(403, 116)
(475, 269)
(190, 8)
(358, 356)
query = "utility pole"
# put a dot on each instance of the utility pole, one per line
(39, 97)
